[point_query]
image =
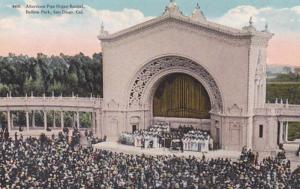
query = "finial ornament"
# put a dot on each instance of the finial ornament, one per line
(250, 21)
(250, 27)
(197, 14)
(172, 9)
(102, 26)
(103, 32)
(266, 27)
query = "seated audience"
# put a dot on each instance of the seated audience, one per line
(56, 163)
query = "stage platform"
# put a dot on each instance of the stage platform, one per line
(116, 147)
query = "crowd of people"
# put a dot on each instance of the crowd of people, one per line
(91, 139)
(197, 140)
(147, 138)
(183, 138)
(58, 162)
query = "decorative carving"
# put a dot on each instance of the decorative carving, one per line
(259, 66)
(235, 110)
(103, 33)
(172, 9)
(135, 120)
(234, 125)
(250, 27)
(157, 66)
(112, 104)
(197, 14)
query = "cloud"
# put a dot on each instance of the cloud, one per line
(30, 34)
(117, 20)
(113, 20)
(283, 20)
(284, 23)
(70, 34)
(7, 24)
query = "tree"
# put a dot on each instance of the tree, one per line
(286, 69)
(72, 81)
(42, 74)
(4, 89)
(56, 87)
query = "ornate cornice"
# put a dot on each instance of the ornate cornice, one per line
(179, 25)
(198, 24)
(239, 38)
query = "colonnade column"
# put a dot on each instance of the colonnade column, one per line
(73, 120)
(8, 121)
(99, 125)
(62, 119)
(280, 132)
(45, 120)
(27, 120)
(54, 124)
(12, 121)
(77, 120)
(93, 122)
(286, 131)
(33, 118)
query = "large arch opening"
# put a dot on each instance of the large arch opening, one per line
(176, 92)
(181, 95)
(145, 81)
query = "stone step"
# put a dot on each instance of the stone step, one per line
(291, 147)
(112, 139)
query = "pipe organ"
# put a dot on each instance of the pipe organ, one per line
(180, 95)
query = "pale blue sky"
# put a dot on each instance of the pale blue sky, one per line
(71, 34)
(212, 8)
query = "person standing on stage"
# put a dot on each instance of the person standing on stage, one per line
(181, 145)
(143, 143)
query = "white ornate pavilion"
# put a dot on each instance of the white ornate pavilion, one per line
(184, 70)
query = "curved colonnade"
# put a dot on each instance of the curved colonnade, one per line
(58, 106)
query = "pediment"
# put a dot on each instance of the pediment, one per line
(185, 21)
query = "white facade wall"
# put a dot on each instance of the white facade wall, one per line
(225, 61)
(234, 58)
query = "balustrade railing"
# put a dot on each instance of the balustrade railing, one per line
(51, 101)
(279, 109)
